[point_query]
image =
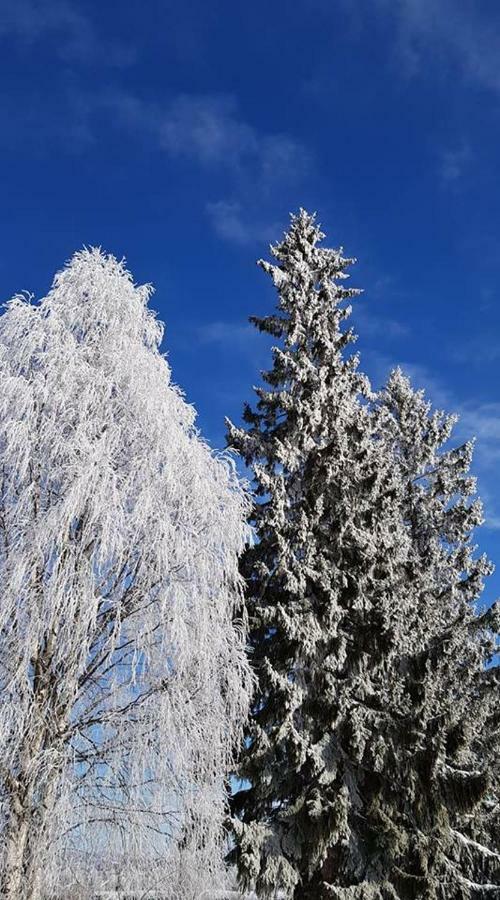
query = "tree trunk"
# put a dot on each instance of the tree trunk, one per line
(25, 844)
(13, 886)
(30, 806)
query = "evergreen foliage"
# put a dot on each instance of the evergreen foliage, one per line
(363, 763)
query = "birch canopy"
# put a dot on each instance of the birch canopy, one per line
(123, 678)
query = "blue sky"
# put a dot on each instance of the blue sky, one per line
(182, 135)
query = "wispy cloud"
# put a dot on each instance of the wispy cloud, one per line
(221, 332)
(255, 165)
(75, 37)
(231, 222)
(461, 29)
(476, 350)
(454, 163)
(236, 339)
(483, 421)
(373, 325)
(252, 169)
(370, 311)
(207, 129)
(210, 130)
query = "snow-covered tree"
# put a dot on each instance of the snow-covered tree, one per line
(338, 801)
(123, 678)
(318, 476)
(441, 824)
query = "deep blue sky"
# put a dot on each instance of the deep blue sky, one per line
(181, 135)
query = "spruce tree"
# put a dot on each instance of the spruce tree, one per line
(340, 591)
(321, 553)
(447, 803)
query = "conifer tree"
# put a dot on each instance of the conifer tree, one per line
(318, 473)
(123, 679)
(450, 737)
(337, 804)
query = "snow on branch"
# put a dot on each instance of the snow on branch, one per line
(123, 678)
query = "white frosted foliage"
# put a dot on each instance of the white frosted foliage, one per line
(123, 679)
(362, 761)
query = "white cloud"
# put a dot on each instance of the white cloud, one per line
(232, 223)
(210, 130)
(373, 325)
(454, 162)
(480, 348)
(254, 168)
(240, 339)
(255, 165)
(221, 332)
(75, 37)
(483, 421)
(468, 36)
(207, 129)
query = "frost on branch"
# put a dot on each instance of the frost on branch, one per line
(373, 740)
(123, 680)
(447, 669)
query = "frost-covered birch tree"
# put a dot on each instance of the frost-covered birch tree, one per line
(123, 678)
(350, 793)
